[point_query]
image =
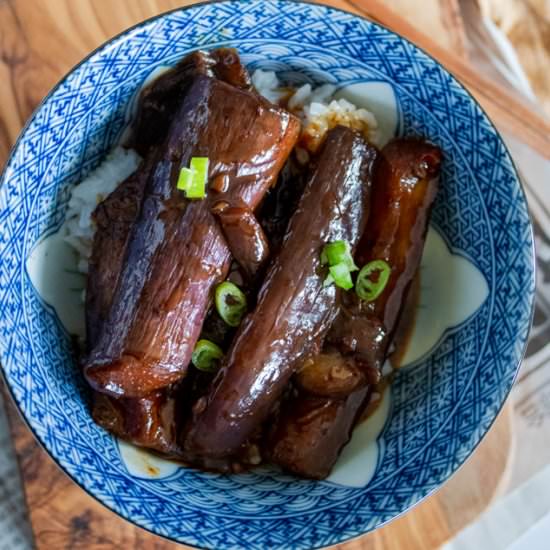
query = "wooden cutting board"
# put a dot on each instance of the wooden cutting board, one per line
(39, 42)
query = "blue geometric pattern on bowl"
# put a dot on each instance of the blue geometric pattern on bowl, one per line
(442, 407)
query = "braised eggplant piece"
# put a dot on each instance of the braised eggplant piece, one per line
(160, 100)
(281, 202)
(113, 218)
(311, 431)
(295, 309)
(406, 181)
(146, 422)
(176, 252)
(149, 421)
(244, 235)
(330, 374)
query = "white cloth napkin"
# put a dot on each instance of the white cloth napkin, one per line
(519, 521)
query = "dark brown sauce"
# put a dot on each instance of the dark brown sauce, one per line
(379, 389)
(404, 331)
(401, 341)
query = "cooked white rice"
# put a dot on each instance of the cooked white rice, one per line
(318, 110)
(78, 229)
(267, 84)
(316, 107)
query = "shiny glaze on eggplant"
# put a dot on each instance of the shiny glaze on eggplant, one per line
(294, 309)
(311, 431)
(406, 180)
(113, 219)
(115, 216)
(329, 374)
(177, 252)
(148, 421)
(160, 100)
(244, 235)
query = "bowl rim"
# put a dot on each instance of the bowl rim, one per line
(124, 34)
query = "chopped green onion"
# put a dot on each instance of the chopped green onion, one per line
(200, 165)
(185, 179)
(193, 180)
(338, 252)
(206, 356)
(341, 275)
(328, 280)
(230, 303)
(340, 261)
(197, 190)
(365, 287)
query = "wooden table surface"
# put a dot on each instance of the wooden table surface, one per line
(40, 40)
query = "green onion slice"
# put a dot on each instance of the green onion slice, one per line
(328, 280)
(341, 275)
(338, 252)
(185, 179)
(368, 289)
(193, 180)
(199, 166)
(340, 261)
(206, 356)
(230, 303)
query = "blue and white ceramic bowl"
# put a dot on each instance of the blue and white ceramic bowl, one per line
(476, 297)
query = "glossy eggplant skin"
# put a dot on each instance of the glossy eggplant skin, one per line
(330, 374)
(406, 182)
(294, 309)
(113, 219)
(311, 431)
(157, 106)
(176, 252)
(160, 100)
(147, 422)
(244, 236)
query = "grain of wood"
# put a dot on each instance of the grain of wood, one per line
(39, 42)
